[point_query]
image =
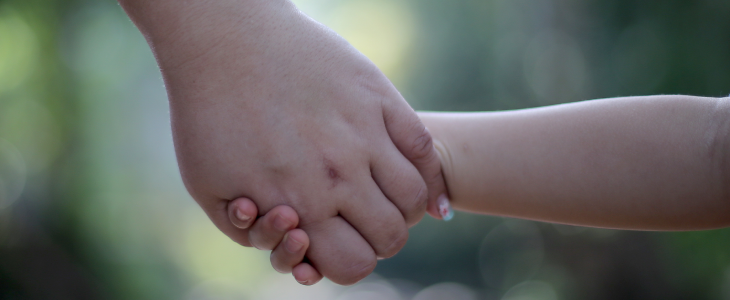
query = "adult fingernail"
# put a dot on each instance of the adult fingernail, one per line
(292, 245)
(445, 208)
(281, 224)
(242, 216)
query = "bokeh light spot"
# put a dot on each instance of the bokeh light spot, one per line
(18, 49)
(380, 290)
(31, 127)
(510, 254)
(446, 290)
(555, 68)
(210, 255)
(640, 59)
(531, 290)
(12, 174)
(384, 31)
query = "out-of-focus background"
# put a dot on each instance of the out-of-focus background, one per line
(92, 205)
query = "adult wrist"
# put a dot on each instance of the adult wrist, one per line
(180, 30)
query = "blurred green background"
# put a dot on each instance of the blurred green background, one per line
(92, 205)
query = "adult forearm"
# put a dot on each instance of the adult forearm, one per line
(637, 163)
(180, 31)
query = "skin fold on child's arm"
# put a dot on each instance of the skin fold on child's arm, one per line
(644, 163)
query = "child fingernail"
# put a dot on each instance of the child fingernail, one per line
(242, 216)
(292, 245)
(445, 208)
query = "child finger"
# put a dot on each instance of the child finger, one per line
(242, 212)
(290, 252)
(438, 200)
(268, 231)
(305, 274)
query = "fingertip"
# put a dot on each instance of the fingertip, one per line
(437, 189)
(444, 208)
(305, 274)
(434, 213)
(297, 240)
(285, 218)
(433, 208)
(290, 252)
(242, 212)
(441, 208)
(270, 230)
(290, 214)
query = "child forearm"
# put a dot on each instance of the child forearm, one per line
(654, 163)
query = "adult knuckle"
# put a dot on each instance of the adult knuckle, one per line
(415, 208)
(422, 145)
(356, 272)
(396, 243)
(372, 80)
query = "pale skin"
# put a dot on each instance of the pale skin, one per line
(635, 163)
(268, 104)
(641, 163)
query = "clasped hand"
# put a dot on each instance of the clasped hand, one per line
(280, 110)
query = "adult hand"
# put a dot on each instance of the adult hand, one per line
(276, 229)
(270, 105)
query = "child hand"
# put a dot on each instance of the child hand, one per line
(275, 230)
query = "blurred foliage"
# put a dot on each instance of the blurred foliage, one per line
(92, 207)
